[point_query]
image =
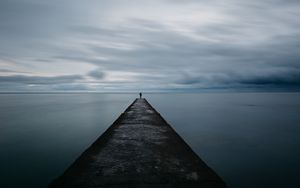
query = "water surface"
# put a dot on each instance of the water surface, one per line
(250, 139)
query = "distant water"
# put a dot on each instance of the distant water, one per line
(250, 139)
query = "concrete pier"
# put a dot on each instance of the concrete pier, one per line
(140, 149)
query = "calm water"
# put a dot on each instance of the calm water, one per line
(250, 139)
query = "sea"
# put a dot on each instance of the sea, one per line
(252, 140)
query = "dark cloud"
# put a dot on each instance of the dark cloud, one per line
(42, 80)
(12, 71)
(289, 79)
(97, 74)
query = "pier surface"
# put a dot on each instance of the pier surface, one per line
(140, 149)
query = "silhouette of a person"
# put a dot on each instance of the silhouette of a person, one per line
(141, 95)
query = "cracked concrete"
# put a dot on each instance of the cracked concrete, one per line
(140, 149)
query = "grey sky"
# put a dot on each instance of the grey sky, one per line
(157, 45)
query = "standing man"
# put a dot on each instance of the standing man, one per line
(140, 95)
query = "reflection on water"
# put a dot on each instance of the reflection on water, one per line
(250, 139)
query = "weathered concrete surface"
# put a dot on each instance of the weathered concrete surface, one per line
(140, 149)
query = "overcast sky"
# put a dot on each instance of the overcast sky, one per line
(149, 45)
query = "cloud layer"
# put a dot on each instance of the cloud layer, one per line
(160, 45)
